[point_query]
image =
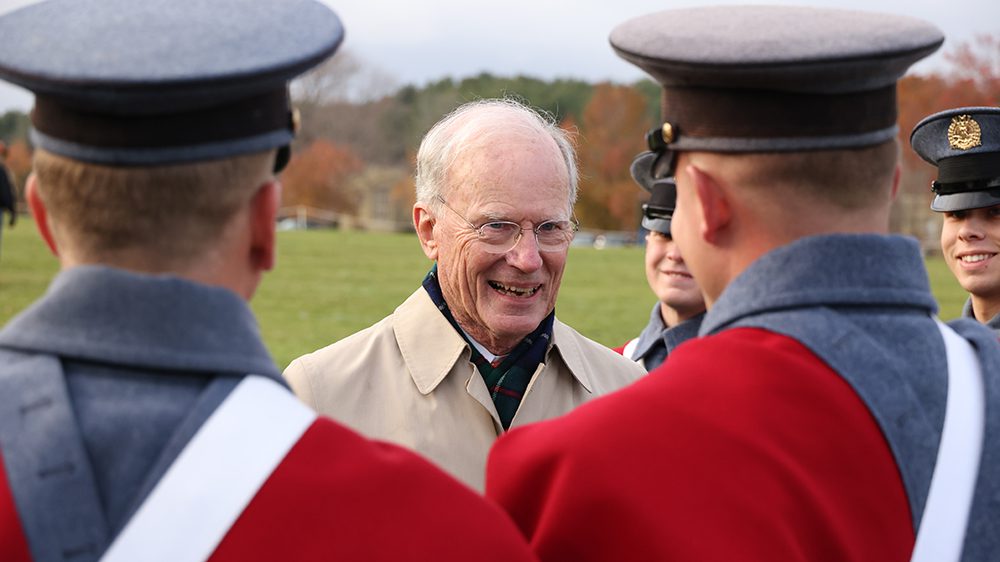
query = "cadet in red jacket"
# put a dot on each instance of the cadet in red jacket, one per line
(141, 417)
(805, 422)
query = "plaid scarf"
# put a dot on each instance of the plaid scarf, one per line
(508, 380)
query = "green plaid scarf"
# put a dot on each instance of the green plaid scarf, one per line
(508, 380)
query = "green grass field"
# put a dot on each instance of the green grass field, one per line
(329, 284)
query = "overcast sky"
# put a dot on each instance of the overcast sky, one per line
(416, 41)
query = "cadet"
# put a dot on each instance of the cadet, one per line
(141, 417)
(680, 307)
(964, 144)
(8, 193)
(805, 422)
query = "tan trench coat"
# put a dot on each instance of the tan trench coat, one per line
(408, 380)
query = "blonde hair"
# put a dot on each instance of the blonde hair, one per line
(169, 213)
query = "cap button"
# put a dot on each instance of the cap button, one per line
(667, 132)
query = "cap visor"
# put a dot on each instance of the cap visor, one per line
(967, 200)
(656, 225)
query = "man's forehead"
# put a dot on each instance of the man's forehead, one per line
(498, 165)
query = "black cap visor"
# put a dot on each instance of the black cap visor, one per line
(966, 200)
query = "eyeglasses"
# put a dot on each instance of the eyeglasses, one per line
(500, 237)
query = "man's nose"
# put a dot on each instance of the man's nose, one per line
(971, 229)
(673, 252)
(525, 254)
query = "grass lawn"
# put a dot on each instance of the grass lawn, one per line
(329, 284)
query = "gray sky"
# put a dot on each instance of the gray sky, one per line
(417, 41)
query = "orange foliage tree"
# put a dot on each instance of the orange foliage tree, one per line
(318, 177)
(612, 132)
(972, 79)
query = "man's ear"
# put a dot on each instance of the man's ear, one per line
(895, 183)
(714, 206)
(263, 214)
(40, 214)
(423, 223)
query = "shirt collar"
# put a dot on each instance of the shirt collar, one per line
(417, 321)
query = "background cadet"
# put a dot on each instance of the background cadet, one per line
(805, 422)
(8, 193)
(129, 426)
(477, 349)
(680, 306)
(964, 144)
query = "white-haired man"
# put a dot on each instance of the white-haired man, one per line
(477, 349)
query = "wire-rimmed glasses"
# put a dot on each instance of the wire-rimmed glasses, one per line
(500, 237)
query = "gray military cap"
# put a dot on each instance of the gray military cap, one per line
(964, 145)
(773, 78)
(148, 82)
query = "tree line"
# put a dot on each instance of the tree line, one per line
(360, 131)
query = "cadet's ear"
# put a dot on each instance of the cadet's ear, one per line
(423, 223)
(715, 211)
(263, 215)
(895, 183)
(40, 214)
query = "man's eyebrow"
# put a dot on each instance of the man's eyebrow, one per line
(494, 216)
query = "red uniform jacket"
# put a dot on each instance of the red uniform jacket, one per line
(338, 496)
(744, 446)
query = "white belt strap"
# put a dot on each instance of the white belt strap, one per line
(630, 348)
(216, 475)
(941, 534)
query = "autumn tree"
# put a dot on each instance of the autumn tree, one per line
(977, 62)
(612, 132)
(319, 177)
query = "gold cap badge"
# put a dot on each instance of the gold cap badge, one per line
(964, 133)
(667, 132)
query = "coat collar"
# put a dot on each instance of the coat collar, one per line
(107, 315)
(828, 270)
(430, 346)
(656, 333)
(993, 323)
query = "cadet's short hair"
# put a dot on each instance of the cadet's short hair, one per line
(171, 213)
(847, 179)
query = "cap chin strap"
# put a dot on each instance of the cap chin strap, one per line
(282, 158)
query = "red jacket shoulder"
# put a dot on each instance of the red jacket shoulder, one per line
(744, 445)
(338, 495)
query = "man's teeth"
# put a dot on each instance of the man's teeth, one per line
(975, 258)
(515, 291)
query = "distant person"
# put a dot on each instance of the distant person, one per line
(477, 349)
(8, 193)
(807, 422)
(141, 417)
(964, 144)
(680, 307)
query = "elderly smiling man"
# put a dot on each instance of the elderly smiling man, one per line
(477, 349)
